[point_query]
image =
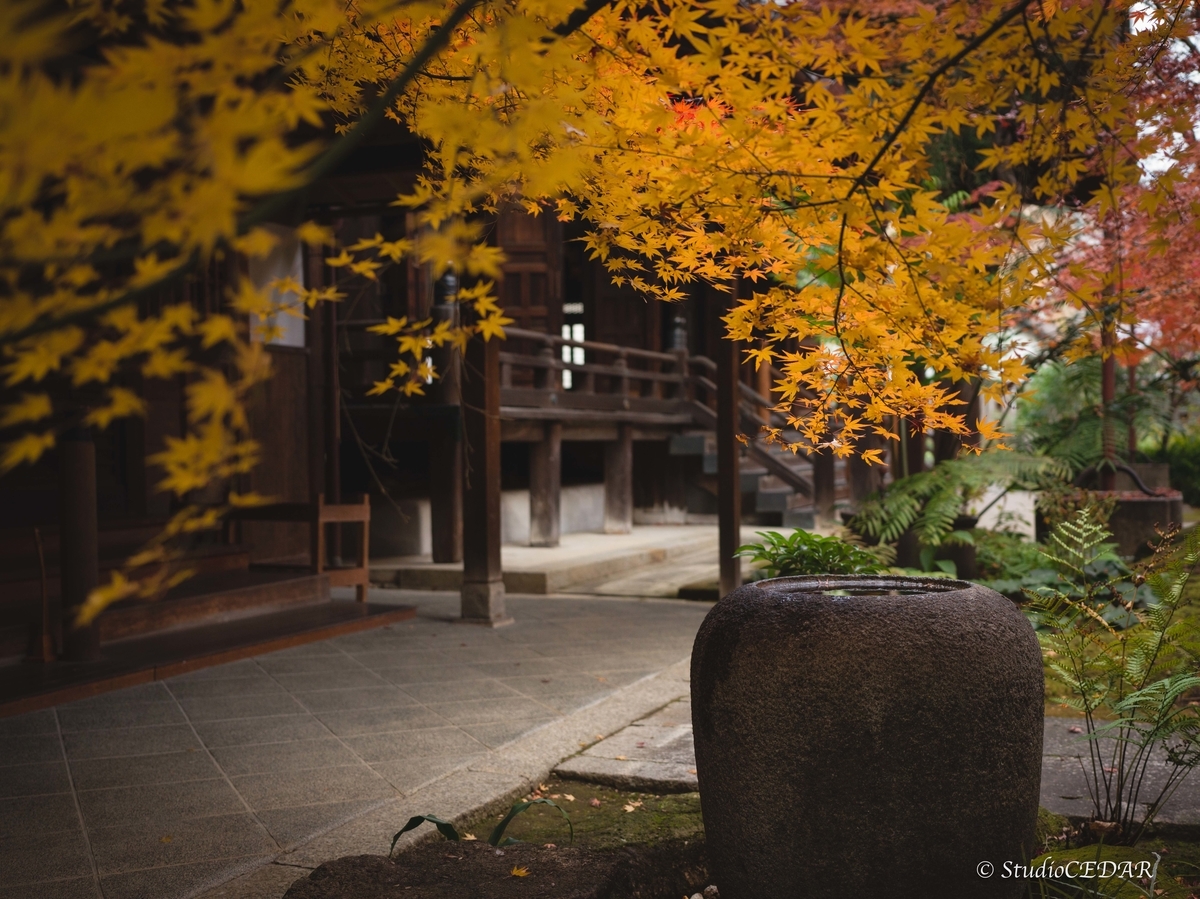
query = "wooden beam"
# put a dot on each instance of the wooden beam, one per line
(79, 553)
(729, 486)
(483, 582)
(545, 486)
(618, 482)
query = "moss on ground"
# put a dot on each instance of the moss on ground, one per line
(656, 818)
(621, 817)
(1178, 872)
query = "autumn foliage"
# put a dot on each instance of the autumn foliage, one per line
(784, 153)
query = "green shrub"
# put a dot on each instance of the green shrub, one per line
(1128, 663)
(805, 553)
(1003, 554)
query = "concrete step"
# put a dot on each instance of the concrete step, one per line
(690, 575)
(582, 558)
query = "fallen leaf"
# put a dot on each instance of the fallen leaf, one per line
(691, 770)
(518, 871)
(621, 758)
(555, 795)
(467, 836)
(1074, 730)
(568, 797)
(633, 806)
(166, 839)
(549, 846)
(594, 802)
(599, 736)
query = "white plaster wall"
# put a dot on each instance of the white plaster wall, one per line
(1015, 512)
(581, 509)
(407, 531)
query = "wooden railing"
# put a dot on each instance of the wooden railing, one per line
(666, 388)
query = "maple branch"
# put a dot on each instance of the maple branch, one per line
(348, 143)
(932, 79)
(579, 17)
(326, 163)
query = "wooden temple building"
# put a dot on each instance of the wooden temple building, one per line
(595, 393)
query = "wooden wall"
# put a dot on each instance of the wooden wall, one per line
(279, 422)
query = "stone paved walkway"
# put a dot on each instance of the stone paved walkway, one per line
(656, 754)
(232, 781)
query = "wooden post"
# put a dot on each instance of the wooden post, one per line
(446, 450)
(763, 376)
(314, 338)
(824, 476)
(729, 486)
(618, 482)
(1108, 397)
(545, 486)
(1131, 439)
(864, 478)
(79, 556)
(333, 426)
(483, 580)
(41, 639)
(947, 445)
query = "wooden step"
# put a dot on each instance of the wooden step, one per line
(28, 686)
(214, 598)
(21, 591)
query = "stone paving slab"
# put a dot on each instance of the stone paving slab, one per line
(238, 779)
(656, 754)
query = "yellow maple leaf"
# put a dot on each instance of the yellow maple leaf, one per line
(26, 448)
(31, 407)
(519, 871)
(314, 235)
(121, 404)
(493, 326)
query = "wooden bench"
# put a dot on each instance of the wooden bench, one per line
(317, 515)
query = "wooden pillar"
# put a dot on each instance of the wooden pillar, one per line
(79, 561)
(729, 486)
(314, 338)
(545, 486)
(1108, 397)
(864, 478)
(446, 450)
(618, 482)
(763, 386)
(947, 445)
(332, 426)
(1131, 437)
(824, 476)
(483, 580)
